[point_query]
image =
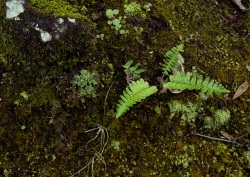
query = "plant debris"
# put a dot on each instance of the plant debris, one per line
(240, 90)
(239, 4)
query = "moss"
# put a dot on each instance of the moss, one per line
(246, 158)
(57, 8)
(116, 144)
(54, 140)
(220, 117)
(187, 111)
(86, 83)
(133, 9)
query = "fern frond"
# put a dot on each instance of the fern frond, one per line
(136, 92)
(171, 59)
(190, 81)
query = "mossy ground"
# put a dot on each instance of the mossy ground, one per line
(150, 143)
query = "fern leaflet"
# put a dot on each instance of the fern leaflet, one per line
(136, 92)
(171, 59)
(190, 81)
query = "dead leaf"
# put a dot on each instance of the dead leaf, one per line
(226, 97)
(240, 90)
(179, 68)
(162, 82)
(239, 4)
(227, 135)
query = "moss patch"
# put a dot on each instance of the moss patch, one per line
(154, 137)
(57, 8)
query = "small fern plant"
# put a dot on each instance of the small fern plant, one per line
(137, 91)
(171, 59)
(190, 81)
(132, 70)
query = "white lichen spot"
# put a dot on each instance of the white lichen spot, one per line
(45, 36)
(60, 20)
(72, 20)
(14, 8)
(57, 36)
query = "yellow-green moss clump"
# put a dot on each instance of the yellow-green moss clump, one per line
(220, 117)
(57, 8)
(187, 111)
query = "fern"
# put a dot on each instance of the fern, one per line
(132, 69)
(171, 59)
(136, 92)
(190, 81)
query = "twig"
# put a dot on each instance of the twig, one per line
(108, 92)
(102, 132)
(241, 136)
(227, 21)
(247, 35)
(106, 97)
(216, 139)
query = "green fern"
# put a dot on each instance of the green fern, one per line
(190, 81)
(171, 59)
(136, 92)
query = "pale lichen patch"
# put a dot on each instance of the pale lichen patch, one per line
(14, 8)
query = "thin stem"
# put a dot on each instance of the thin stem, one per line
(106, 97)
(216, 139)
(242, 136)
(93, 138)
(91, 130)
(83, 167)
(104, 136)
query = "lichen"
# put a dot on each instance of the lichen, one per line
(14, 8)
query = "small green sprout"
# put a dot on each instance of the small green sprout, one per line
(122, 31)
(23, 127)
(114, 22)
(100, 36)
(147, 7)
(116, 144)
(117, 24)
(111, 13)
(248, 67)
(131, 71)
(25, 95)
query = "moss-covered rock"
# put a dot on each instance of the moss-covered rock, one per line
(50, 42)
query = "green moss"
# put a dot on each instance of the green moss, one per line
(116, 144)
(187, 111)
(57, 8)
(56, 119)
(219, 118)
(222, 116)
(25, 95)
(133, 9)
(86, 83)
(246, 158)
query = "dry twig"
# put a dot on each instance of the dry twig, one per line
(217, 139)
